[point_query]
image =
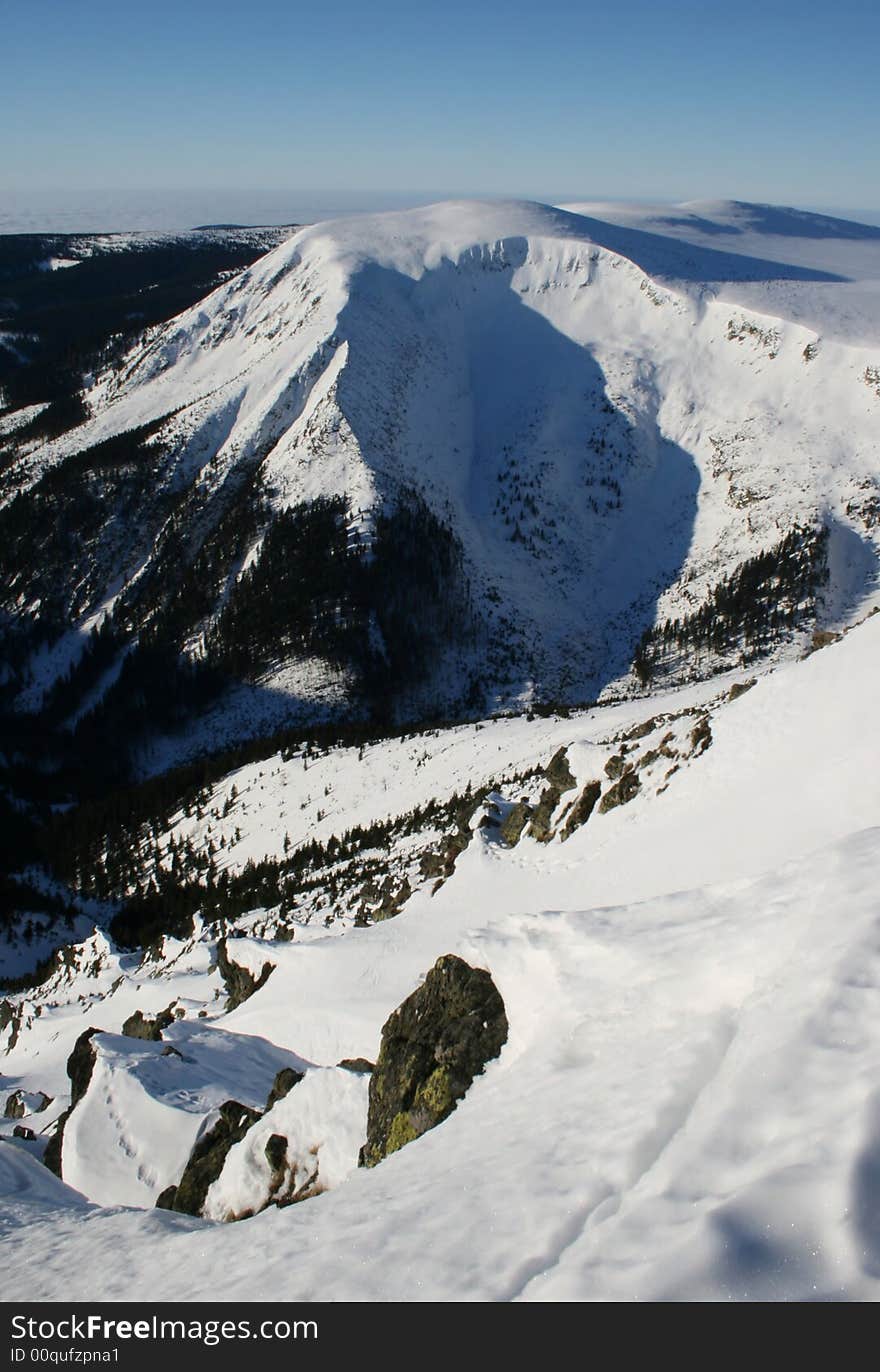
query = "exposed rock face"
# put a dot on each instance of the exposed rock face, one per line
(207, 1158)
(558, 772)
(20, 1103)
(559, 775)
(283, 1084)
(360, 1065)
(80, 1066)
(21, 1131)
(138, 1026)
(540, 826)
(515, 821)
(739, 688)
(701, 736)
(582, 809)
(239, 982)
(621, 793)
(432, 1047)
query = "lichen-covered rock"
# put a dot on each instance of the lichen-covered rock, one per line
(80, 1066)
(207, 1158)
(582, 809)
(621, 793)
(432, 1047)
(239, 982)
(139, 1026)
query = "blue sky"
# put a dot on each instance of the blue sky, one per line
(674, 99)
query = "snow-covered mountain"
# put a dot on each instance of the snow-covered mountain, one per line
(476, 465)
(596, 421)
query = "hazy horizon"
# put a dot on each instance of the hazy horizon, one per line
(144, 210)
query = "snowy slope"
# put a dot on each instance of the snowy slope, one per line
(686, 1106)
(611, 410)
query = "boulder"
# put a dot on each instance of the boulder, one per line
(432, 1047)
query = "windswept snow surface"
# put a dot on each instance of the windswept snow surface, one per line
(687, 1105)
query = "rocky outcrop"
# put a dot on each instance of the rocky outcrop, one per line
(701, 736)
(207, 1158)
(80, 1066)
(360, 1065)
(739, 688)
(432, 1047)
(21, 1103)
(621, 793)
(511, 827)
(282, 1086)
(559, 775)
(558, 772)
(239, 982)
(582, 809)
(139, 1026)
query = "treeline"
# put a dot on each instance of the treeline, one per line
(768, 595)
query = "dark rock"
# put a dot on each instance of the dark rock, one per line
(21, 1131)
(165, 1199)
(208, 1156)
(621, 793)
(80, 1066)
(701, 736)
(642, 730)
(276, 1152)
(514, 822)
(540, 822)
(615, 765)
(17, 1108)
(283, 1084)
(582, 809)
(558, 772)
(739, 688)
(138, 1026)
(361, 1065)
(239, 982)
(432, 1047)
